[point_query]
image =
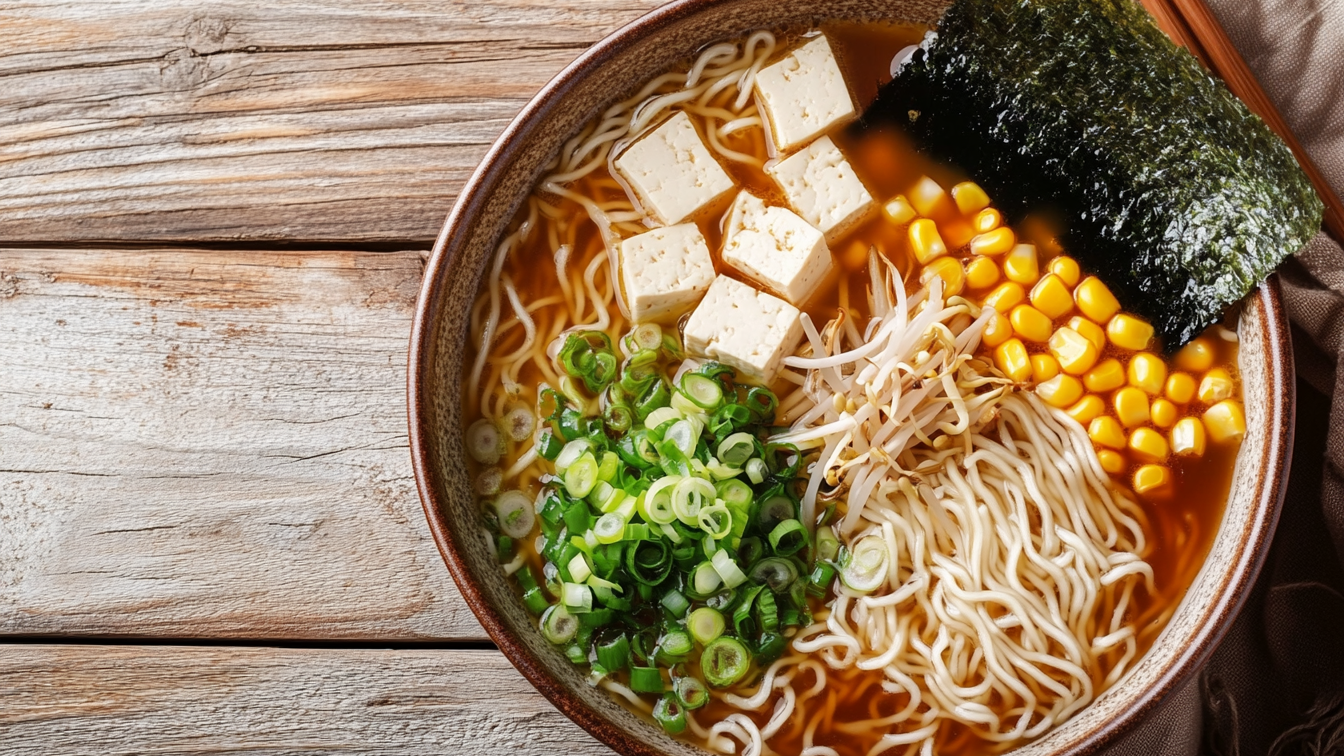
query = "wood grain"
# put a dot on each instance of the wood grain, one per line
(212, 444)
(227, 120)
(60, 700)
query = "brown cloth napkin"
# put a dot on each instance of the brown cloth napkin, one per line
(1276, 684)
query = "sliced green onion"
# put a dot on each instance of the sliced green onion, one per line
(734, 493)
(577, 597)
(820, 580)
(689, 496)
(762, 403)
(485, 443)
(828, 546)
(683, 434)
(676, 644)
(690, 692)
(788, 538)
(581, 476)
(637, 531)
(576, 517)
(649, 562)
(571, 453)
(750, 550)
(705, 580)
(767, 612)
(721, 471)
(519, 423)
(548, 446)
(671, 532)
(646, 336)
(725, 661)
(705, 625)
(534, 600)
(770, 648)
(618, 417)
(704, 391)
(614, 654)
(776, 573)
(578, 569)
(608, 467)
(657, 508)
(864, 568)
(558, 625)
(669, 713)
(646, 679)
(515, 512)
(504, 549)
(610, 528)
(727, 569)
(776, 507)
(737, 449)
(756, 471)
(660, 416)
(716, 521)
(674, 602)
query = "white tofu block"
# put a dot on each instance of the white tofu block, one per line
(822, 186)
(803, 95)
(672, 172)
(746, 329)
(665, 272)
(775, 248)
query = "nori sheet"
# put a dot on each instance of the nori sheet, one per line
(1173, 193)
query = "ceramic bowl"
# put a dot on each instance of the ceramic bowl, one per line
(607, 73)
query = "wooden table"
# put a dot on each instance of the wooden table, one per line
(213, 222)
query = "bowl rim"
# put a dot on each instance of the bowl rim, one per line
(1232, 593)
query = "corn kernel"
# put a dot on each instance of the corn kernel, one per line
(1112, 462)
(948, 269)
(1005, 297)
(1187, 438)
(1067, 269)
(1090, 331)
(1128, 332)
(1131, 406)
(1106, 431)
(1163, 412)
(1196, 357)
(1106, 376)
(956, 233)
(997, 330)
(1087, 409)
(981, 273)
(1152, 481)
(1060, 391)
(994, 242)
(925, 242)
(928, 197)
(986, 220)
(1043, 367)
(1147, 371)
(1148, 445)
(1216, 386)
(899, 210)
(1095, 300)
(1180, 388)
(1011, 357)
(1051, 296)
(969, 197)
(1225, 421)
(1029, 323)
(1022, 265)
(1076, 354)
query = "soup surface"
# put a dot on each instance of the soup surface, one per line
(1162, 428)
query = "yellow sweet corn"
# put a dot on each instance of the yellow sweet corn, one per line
(1112, 462)
(986, 220)
(1131, 406)
(1087, 409)
(1067, 269)
(1197, 356)
(1090, 331)
(1021, 265)
(1005, 297)
(1108, 375)
(1030, 323)
(1060, 391)
(994, 242)
(1095, 300)
(925, 242)
(1147, 445)
(1043, 367)
(957, 233)
(899, 210)
(981, 273)
(1011, 357)
(1076, 355)
(1105, 431)
(969, 197)
(1163, 412)
(1128, 332)
(1152, 481)
(1187, 437)
(1051, 296)
(1225, 421)
(928, 197)
(997, 330)
(1216, 386)
(1180, 388)
(948, 269)
(1147, 371)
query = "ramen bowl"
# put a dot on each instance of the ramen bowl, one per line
(611, 71)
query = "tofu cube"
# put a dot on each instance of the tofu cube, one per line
(671, 171)
(665, 272)
(803, 95)
(775, 248)
(746, 329)
(822, 186)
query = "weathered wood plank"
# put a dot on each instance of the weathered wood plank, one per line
(332, 120)
(91, 700)
(200, 444)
